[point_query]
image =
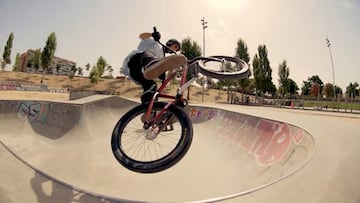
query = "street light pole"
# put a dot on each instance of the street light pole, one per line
(204, 26)
(328, 43)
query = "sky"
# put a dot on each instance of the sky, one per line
(291, 30)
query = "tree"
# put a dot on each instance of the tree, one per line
(315, 90)
(352, 90)
(293, 87)
(338, 91)
(328, 90)
(287, 86)
(72, 71)
(242, 53)
(263, 71)
(97, 71)
(258, 74)
(36, 60)
(100, 65)
(7, 51)
(306, 88)
(94, 75)
(48, 53)
(283, 74)
(16, 66)
(190, 49)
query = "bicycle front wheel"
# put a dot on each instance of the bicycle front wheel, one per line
(154, 149)
(224, 68)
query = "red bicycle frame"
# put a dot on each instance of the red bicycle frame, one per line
(174, 99)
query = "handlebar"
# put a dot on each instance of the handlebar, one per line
(163, 45)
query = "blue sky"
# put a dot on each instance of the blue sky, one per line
(292, 30)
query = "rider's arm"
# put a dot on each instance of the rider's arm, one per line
(145, 35)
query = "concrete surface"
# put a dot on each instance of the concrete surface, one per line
(60, 152)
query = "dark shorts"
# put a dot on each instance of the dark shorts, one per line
(136, 64)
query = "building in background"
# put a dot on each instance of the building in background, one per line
(59, 65)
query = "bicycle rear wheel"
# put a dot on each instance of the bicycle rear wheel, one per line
(151, 150)
(224, 68)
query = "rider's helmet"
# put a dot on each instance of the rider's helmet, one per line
(171, 42)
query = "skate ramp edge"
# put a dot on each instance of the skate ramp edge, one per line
(257, 152)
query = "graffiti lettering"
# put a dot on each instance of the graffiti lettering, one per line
(268, 141)
(273, 143)
(31, 111)
(16, 85)
(196, 113)
(298, 136)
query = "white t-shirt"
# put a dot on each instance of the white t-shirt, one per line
(148, 44)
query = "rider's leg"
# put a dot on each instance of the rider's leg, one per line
(147, 57)
(159, 66)
(149, 90)
(149, 86)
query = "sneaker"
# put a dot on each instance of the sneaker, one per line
(147, 96)
(157, 67)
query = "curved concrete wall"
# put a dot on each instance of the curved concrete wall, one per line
(232, 154)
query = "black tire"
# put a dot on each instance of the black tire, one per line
(213, 68)
(135, 151)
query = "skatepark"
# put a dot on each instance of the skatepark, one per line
(60, 152)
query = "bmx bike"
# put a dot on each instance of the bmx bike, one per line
(154, 136)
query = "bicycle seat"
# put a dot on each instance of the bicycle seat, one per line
(156, 68)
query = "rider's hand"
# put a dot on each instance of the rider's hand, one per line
(156, 36)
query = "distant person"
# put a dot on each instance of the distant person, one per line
(151, 55)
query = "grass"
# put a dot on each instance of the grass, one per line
(330, 104)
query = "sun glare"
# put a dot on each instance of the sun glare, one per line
(225, 4)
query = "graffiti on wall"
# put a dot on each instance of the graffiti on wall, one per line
(9, 85)
(25, 110)
(266, 140)
(32, 111)
(198, 115)
(54, 116)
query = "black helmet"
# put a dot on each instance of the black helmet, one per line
(173, 41)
